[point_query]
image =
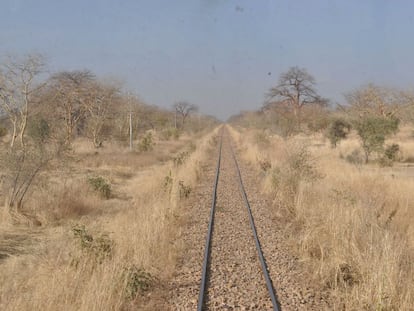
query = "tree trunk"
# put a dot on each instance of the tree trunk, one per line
(69, 131)
(14, 134)
(23, 126)
(96, 141)
(24, 113)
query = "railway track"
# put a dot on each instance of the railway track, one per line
(234, 271)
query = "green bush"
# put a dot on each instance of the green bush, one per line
(146, 143)
(338, 130)
(100, 185)
(136, 280)
(373, 131)
(391, 154)
(95, 248)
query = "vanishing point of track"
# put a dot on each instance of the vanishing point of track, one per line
(210, 271)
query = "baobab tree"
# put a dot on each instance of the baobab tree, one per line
(296, 88)
(17, 90)
(183, 109)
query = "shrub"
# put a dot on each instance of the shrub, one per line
(355, 157)
(20, 168)
(184, 190)
(264, 164)
(136, 280)
(373, 131)
(302, 164)
(390, 155)
(391, 152)
(100, 185)
(337, 131)
(95, 248)
(168, 182)
(146, 143)
(287, 126)
(286, 178)
(181, 158)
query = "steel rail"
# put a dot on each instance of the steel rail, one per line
(210, 230)
(203, 283)
(269, 284)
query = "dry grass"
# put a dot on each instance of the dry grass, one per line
(114, 155)
(351, 224)
(133, 231)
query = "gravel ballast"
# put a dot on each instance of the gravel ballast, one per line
(236, 281)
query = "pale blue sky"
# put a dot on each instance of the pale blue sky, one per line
(217, 53)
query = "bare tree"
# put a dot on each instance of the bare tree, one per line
(99, 107)
(183, 109)
(70, 93)
(17, 89)
(296, 88)
(372, 100)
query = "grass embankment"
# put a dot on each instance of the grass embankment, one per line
(351, 224)
(98, 250)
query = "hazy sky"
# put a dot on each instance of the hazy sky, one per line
(222, 55)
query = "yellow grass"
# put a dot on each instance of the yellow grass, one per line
(354, 226)
(53, 271)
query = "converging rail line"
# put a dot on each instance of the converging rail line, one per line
(206, 268)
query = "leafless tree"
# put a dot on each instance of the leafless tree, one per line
(103, 97)
(17, 89)
(296, 88)
(183, 109)
(372, 100)
(70, 91)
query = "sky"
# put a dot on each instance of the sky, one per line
(221, 55)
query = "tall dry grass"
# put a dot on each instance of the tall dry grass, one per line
(352, 225)
(105, 257)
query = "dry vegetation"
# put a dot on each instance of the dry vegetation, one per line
(350, 223)
(341, 179)
(86, 222)
(90, 224)
(96, 253)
